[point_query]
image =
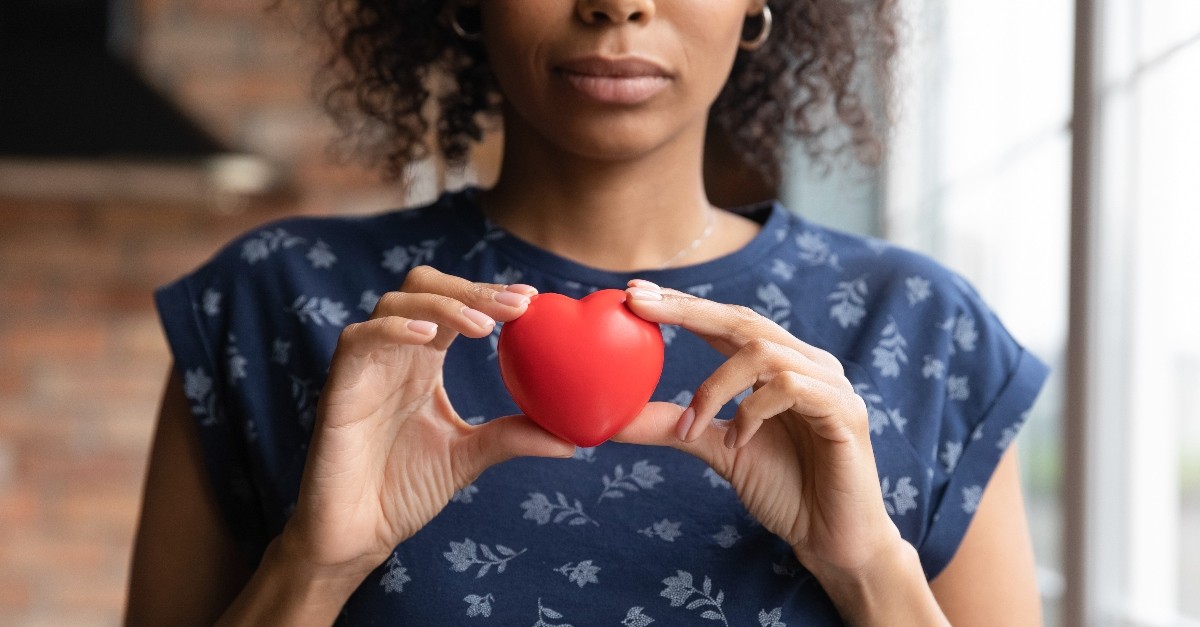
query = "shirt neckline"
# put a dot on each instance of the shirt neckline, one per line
(771, 215)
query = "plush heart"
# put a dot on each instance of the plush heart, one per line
(582, 369)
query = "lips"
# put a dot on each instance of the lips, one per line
(625, 80)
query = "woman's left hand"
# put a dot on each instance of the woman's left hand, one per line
(798, 451)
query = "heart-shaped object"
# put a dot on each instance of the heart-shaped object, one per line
(582, 369)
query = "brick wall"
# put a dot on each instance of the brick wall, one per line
(82, 368)
(82, 358)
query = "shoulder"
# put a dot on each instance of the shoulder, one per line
(320, 271)
(909, 321)
(307, 249)
(850, 284)
(947, 387)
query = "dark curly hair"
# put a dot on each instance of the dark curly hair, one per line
(400, 84)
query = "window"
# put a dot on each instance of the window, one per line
(980, 175)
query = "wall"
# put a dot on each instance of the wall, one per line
(82, 368)
(82, 359)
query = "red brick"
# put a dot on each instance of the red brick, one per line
(138, 337)
(171, 258)
(16, 594)
(50, 616)
(250, 89)
(14, 382)
(95, 379)
(34, 548)
(56, 254)
(20, 506)
(253, 9)
(105, 514)
(21, 217)
(167, 49)
(75, 591)
(24, 295)
(128, 430)
(55, 467)
(26, 428)
(33, 341)
(118, 298)
(142, 222)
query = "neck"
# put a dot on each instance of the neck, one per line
(617, 215)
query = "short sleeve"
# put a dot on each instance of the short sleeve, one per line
(989, 383)
(194, 315)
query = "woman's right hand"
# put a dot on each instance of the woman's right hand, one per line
(388, 450)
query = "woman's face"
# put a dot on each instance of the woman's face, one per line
(611, 79)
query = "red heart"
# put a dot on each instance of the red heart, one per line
(582, 369)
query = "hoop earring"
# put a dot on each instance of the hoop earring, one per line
(763, 34)
(458, 27)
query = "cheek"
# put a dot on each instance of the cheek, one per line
(512, 38)
(709, 42)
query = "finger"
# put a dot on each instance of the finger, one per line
(831, 413)
(451, 316)
(375, 341)
(655, 426)
(756, 363)
(364, 338)
(506, 438)
(499, 302)
(726, 327)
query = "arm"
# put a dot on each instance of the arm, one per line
(387, 453)
(990, 582)
(991, 579)
(186, 567)
(798, 453)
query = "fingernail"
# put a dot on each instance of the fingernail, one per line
(685, 423)
(521, 288)
(646, 284)
(731, 437)
(638, 293)
(424, 327)
(511, 299)
(478, 317)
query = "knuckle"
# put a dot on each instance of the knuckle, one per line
(705, 392)
(743, 416)
(441, 302)
(350, 333)
(742, 314)
(480, 292)
(391, 302)
(792, 383)
(857, 405)
(417, 276)
(759, 348)
(832, 363)
(855, 410)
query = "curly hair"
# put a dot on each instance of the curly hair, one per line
(400, 84)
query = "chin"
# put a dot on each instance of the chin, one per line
(614, 141)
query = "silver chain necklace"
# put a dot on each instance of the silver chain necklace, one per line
(708, 229)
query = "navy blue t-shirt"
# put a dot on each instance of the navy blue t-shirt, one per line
(621, 534)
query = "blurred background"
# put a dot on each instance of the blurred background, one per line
(1047, 149)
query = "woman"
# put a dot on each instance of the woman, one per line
(868, 477)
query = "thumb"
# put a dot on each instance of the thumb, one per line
(504, 438)
(656, 426)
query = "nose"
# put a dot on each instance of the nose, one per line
(615, 11)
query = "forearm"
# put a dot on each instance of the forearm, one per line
(892, 592)
(284, 591)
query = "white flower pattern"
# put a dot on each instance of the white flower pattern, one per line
(857, 298)
(580, 574)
